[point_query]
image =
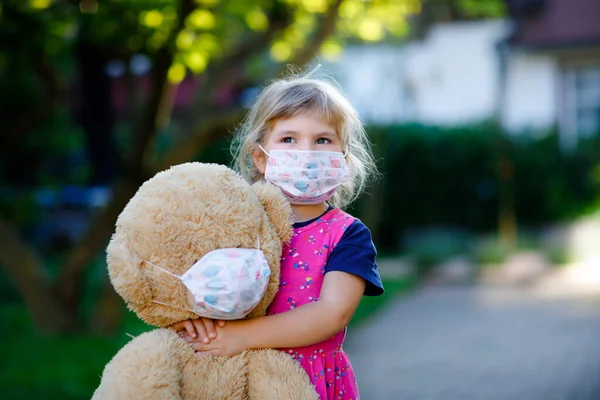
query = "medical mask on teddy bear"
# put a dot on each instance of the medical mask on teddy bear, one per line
(225, 284)
(306, 176)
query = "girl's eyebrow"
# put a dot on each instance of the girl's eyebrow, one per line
(291, 132)
(286, 132)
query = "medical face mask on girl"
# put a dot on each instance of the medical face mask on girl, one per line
(226, 283)
(306, 176)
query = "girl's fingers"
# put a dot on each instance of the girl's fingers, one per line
(204, 353)
(220, 323)
(199, 346)
(189, 327)
(201, 330)
(209, 325)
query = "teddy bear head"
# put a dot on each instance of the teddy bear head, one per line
(176, 218)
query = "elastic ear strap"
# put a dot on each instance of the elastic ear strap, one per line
(264, 151)
(258, 242)
(169, 305)
(162, 304)
(163, 270)
(346, 152)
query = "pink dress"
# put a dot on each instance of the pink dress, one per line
(302, 270)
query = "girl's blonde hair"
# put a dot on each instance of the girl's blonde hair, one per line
(285, 98)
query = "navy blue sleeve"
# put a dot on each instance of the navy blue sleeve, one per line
(355, 254)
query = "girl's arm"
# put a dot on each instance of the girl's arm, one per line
(305, 325)
(313, 322)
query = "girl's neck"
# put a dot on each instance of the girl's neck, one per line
(307, 212)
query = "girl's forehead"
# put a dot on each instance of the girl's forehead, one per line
(306, 122)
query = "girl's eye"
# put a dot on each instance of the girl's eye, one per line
(287, 140)
(323, 141)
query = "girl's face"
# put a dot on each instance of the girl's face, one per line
(305, 131)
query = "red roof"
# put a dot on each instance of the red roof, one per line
(556, 23)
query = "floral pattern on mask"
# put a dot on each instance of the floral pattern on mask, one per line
(306, 176)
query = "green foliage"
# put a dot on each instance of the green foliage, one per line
(48, 368)
(369, 306)
(483, 8)
(428, 248)
(448, 177)
(213, 29)
(489, 250)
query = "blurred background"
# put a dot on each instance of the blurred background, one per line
(485, 121)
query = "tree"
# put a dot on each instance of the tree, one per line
(229, 43)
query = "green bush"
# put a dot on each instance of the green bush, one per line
(428, 248)
(449, 177)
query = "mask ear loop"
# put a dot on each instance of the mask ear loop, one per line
(172, 306)
(162, 269)
(264, 151)
(258, 242)
(346, 152)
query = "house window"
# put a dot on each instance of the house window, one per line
(585, 99)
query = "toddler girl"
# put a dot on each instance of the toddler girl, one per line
(303, 135)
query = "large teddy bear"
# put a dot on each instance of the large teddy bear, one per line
(174, 219)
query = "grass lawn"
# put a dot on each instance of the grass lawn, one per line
(369, 306)
(69, 367)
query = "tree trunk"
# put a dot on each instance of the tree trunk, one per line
(27, 272)
(507, 220)
(109, 312)
(101, 227)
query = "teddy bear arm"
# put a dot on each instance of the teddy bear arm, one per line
(148, 367)
(273, 374)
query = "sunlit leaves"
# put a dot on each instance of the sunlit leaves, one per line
(185, 39)
(351, 9)
(196, 61)
(207, 42)
(201, 19)
(315, 6)
(371, 30)
(331, 49)
(176, 73)
(152, 18)
(196, 50)
(207, 3)
(369, 21)
(399, 28)
(40, 4)
(257, 20)
(478, 8)
(281, 51)
(373, 21)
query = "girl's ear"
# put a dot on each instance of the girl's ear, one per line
(277, 207)
(260, 159)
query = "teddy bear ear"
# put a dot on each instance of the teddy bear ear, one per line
(126, 274)
(277, 207)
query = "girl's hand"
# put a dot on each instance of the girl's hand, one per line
(201, 329)
(229, 341)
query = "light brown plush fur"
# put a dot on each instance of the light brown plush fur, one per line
(172, 221)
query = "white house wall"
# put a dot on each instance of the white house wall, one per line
(449, 78)
(532, 92)
(372, 78)
(453, 73)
